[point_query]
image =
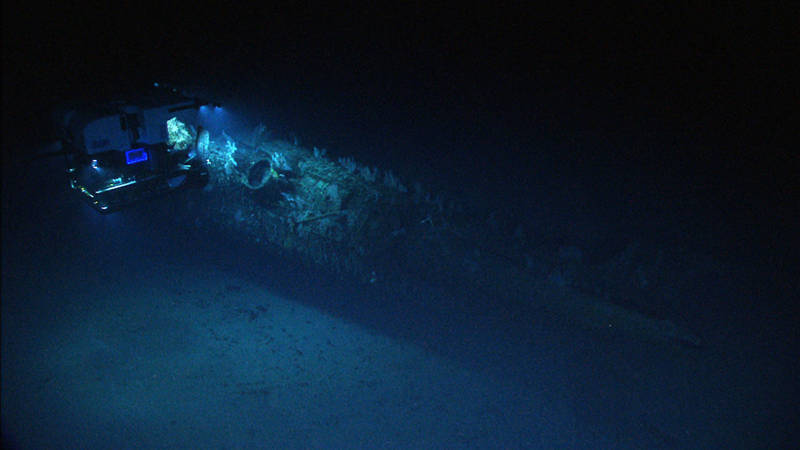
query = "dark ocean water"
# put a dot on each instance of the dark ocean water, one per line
(146, 328)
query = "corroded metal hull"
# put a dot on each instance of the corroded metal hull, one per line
(364, 223)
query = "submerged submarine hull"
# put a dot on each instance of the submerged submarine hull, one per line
(360, 222)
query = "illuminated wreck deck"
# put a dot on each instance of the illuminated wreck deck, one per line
(366, 223)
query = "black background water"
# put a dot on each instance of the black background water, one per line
(674, 127)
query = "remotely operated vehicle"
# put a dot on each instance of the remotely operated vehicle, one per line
(122, 152)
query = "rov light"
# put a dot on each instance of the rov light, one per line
(211, 107)
(94, 165)
(214, 116)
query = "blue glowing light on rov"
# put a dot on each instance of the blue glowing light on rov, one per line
(211, 109)
(214, 117)
(135, 155)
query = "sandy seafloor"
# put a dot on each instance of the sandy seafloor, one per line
(136, 330)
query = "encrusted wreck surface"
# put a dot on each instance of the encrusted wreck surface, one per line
(365, 223)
